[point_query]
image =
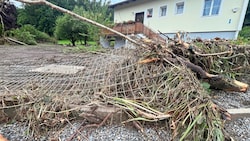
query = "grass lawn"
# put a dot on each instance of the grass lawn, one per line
(67, 42)
(91, 47)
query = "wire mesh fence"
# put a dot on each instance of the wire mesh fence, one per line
(68, 74)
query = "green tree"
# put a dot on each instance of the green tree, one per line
(70, 28)
(245, 32)
(97, 11)
(42, 17)
(247, 16)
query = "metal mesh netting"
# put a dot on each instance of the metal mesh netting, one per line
(115, 72)
(54, 80)
(68, 74)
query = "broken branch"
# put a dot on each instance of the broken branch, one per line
(217, 81)
(189, 47)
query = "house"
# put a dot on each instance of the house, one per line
(199, 18)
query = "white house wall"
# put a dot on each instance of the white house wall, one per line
(190, 21)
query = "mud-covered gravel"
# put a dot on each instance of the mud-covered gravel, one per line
(238, 129)
(19, 132)
(232, 100)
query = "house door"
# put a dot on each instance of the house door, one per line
(139, 17)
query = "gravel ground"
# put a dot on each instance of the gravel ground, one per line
(18, 132)
(238, 129)
(232, 100)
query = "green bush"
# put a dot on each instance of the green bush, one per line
(23, 36)
(38, 35)
(245, 32)
(29, 35)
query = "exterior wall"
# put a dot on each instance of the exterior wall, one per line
(190, 21)
(208, 35)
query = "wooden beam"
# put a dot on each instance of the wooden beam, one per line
(239, 113)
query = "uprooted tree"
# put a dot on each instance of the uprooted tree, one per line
(8, 15)
(8, 18)
(162, 88)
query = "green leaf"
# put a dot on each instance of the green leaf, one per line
(190, 127)
(205, 85)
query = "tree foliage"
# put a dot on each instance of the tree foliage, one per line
(245, 32)
(44, 18)
(247, 16)
(40, 16)
(38, 35)
(97, 11)
(22, 35)
(29, 35)
(70, 28)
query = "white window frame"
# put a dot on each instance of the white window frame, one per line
(150, 12)
(177, 6)
(161, 14)
(211, 8)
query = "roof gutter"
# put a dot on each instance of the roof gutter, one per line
(120, 3)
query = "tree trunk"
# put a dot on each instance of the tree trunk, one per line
(73, 41)
(85, 40)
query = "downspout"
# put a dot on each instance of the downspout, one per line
(242, 17)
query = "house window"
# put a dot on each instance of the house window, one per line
(211, 7)
(150, 13)
(163, 11)
(179, 8)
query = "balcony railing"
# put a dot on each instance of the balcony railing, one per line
(134, 28)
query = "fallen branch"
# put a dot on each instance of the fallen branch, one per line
(190, 48)
(2, 138)
(149, 60)
(19, 105)
(239, 113)
(89, 126)
(94, 113)
(217, 81)
(15, 41)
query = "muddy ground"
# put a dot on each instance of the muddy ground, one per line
(33, 56)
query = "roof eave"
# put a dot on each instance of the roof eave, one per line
(120, 3)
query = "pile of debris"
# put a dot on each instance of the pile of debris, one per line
(154, 83)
